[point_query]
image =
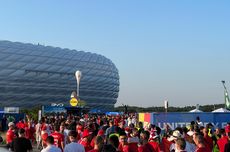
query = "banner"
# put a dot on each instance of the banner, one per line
(53, 109)
(12, 117)
(183, 119)
(145, 118)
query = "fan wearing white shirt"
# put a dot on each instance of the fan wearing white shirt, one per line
(50, 145)
(73, 146)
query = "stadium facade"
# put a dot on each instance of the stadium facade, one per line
(32, 75)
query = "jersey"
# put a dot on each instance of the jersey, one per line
(58, 139)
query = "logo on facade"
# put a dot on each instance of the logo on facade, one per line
(73, 102)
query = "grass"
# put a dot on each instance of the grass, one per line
(3, 135)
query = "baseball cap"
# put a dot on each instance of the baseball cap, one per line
(86, 133)
(176, 134)
(10, 124)
(190, 133)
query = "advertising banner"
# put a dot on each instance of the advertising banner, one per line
(182, 119)
(12, 117)
(53, 109)
(145, 118)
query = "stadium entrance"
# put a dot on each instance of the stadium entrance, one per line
(77, 111)
(69, 110)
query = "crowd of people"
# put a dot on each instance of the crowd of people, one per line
(121, 133)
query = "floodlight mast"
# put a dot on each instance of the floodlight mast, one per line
(78, 75)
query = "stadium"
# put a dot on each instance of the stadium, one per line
(35, 75)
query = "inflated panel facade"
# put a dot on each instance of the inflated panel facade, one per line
(32, 75)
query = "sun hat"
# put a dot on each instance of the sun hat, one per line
(176, 134)
(10, 124)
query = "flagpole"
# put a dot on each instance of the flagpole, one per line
(223, 82)
(226, 97)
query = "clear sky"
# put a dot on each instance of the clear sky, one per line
(177, 50)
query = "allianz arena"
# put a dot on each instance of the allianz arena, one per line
(35, 75)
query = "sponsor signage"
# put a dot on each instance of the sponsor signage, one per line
(183, 119)
(73, 102)
(11, 109)
(53, 109)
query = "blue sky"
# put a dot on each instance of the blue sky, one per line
(176, 50)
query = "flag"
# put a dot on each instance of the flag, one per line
(227, 101)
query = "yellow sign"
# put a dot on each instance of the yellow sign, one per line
(73, 102)
(141, 117)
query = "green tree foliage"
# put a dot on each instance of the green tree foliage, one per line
(32, 113)
(205, 108)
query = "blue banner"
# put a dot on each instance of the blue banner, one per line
(114, 113)
(53, 109)
(13, 117)
(182, 119)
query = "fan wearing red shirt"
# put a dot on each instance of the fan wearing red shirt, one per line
(154, 144)
(98, 120)
(79, 130)
(100, 133)
(133, 140)
(165, 145)
(10, 135)
(58, 137)
(45, 129)
(85, 140)
(26, 127)
(207, 139)
(29, 131)
(200, 143)
(123, 145)
(145, 146)
(222, 141)
(20, 124)
(98, 144)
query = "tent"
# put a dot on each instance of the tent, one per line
(195, 110)
(113, 113)
(221, 110)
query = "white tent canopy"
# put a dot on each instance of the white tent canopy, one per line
(221, 110)
(195, 110)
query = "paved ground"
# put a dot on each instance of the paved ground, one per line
(4, 149)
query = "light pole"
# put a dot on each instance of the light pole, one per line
(166, 105)
(226, 97)
(78, 78)
(223, 82)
